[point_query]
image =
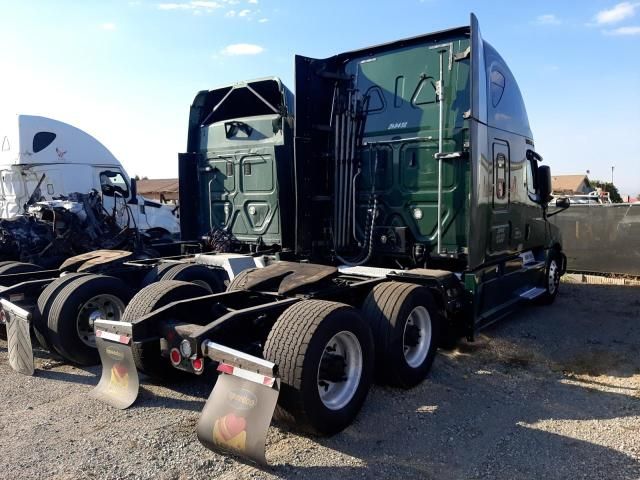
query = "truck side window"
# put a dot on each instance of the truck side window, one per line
(42, 140)
(112, 182)
(497, 87)
(532, 168)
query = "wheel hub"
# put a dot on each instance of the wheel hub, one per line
(554, 276)
(333, 368)
(104, 306)
(339, 371)
(416, 340)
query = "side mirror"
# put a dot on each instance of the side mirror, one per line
(563, 203)
(134, 190)
(544, 184)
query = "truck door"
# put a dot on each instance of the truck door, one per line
(115, 195)
(501, 221)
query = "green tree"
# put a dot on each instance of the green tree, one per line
(614, 194)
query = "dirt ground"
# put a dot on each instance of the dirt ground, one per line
(551, 392)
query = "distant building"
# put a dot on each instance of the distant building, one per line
(571, 184)
(162, 190)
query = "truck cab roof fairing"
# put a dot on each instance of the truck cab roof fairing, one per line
(42, 140)
(505, 105)
(478, 73)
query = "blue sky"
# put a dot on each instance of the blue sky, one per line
(127, 71)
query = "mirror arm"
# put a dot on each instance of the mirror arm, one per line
(556, 212)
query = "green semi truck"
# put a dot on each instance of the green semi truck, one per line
(396, 204)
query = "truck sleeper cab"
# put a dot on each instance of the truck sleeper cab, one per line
(431, 203)
(239, 165)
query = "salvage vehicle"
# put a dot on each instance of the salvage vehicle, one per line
(49, 232)
(413, 211)
(419, 213)
(234, 240)
(42, 159)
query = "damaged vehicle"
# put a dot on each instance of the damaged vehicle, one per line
(51, 231)
(47, 158)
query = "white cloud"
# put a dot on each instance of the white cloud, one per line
(244, 13)
(242, 49)
(108, 26)
(209, 5)
(548, 19)
(263, 20)
(195, 5)
(635, 30)
(230, 14)
(617, 13)
(174, 6)
(253, 1)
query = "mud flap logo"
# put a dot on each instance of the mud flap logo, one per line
(115, 354)
(242, 399)
(119, 383)
(230, 431)
(236, 417)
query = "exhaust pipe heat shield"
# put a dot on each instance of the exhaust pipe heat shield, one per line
(119, 383)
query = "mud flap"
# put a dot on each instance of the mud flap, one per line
(18, 338)
(238, 412)
(119, 383)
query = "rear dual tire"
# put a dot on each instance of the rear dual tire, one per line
(324, 352)
(406, 329)
(73, 309)
(209, 278)
(41, 316)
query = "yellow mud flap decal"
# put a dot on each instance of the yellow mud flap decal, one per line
(18, 338)
(238, 413)
(119, 383)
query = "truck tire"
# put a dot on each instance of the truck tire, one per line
(239, 280)
(41, 313)
(76, 306)
(147, 356)
(156, 273)
(208, 278)
(551, 279)
(406, 330)
(18, 267)
(324, 352)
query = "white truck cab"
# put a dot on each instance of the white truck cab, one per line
(52, 158)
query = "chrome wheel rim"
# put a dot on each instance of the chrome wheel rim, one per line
(105, 307)
(416, 339)
(340, 370)
(554, 277)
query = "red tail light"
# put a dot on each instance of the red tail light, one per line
(198, 365)
(175, 356)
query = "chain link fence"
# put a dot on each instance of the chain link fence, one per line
(601, 238)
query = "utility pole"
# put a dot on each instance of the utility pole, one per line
(612, 167)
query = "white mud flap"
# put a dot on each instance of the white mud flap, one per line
(19, 345)
(119, 383)
(238, 413)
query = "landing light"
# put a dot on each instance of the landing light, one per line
(417, 213)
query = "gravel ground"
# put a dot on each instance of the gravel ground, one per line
(551, 392)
